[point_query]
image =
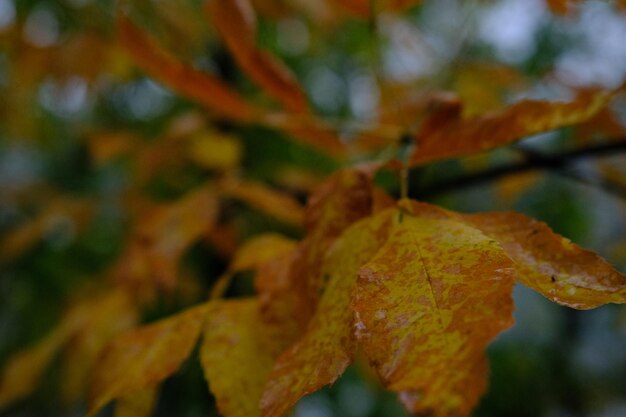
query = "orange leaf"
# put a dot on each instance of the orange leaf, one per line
(327, 346)
(451, 136)
(237, 354)
(236, 22)
(166, 231)
(428, 304)
(551, 264)
(145, 356)
(198, 86)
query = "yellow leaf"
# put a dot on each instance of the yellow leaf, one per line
(253, 254)
(104, 318)
(92, 321)
(428, 304)
(145, 356)
(215, 151)
(342, 199)
(166, 231)
(137, 404)
(22, 373)
(551, 264)
(327, 346)
(238, 352)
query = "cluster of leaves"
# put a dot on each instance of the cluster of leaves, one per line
(412, 290)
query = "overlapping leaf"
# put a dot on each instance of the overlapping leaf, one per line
(237, 354)
(321, 355)
(429, 290)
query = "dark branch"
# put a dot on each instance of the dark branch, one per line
(533, 161)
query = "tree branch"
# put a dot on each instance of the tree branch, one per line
(534, 161)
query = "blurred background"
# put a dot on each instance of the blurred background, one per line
(87, 141)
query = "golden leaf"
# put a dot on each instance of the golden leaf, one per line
(427, 305)
(145, 356)
(551, 264)
(238, 352)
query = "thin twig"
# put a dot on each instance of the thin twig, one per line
(536, 161)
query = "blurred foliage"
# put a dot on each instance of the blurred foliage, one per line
(89, 144)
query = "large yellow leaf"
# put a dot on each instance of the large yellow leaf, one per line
(327, 346)
(448, 135)
(551, 264)
(145, 356)
(236, 23)
(237, 354)
(428, 304)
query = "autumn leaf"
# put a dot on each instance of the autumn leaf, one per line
(426, 306)
(423, 291)
(327, 347)
(342, 199)
(235, 20)
(446, 135)
(279, 205)
(104, 317)
(199, 86)
(237, 353)
(23, 371)
(82, 330)
(145, 356)
(163, 234)
(551, 264)
(137, 404)
(253, 255)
